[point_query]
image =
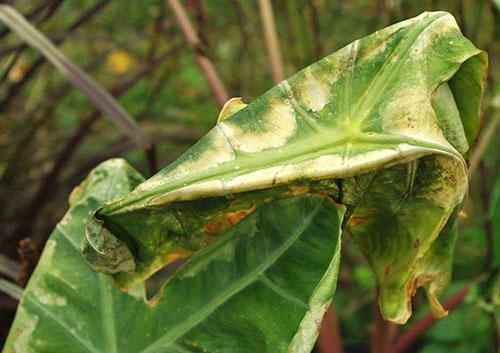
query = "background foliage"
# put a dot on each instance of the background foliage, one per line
(51, 136)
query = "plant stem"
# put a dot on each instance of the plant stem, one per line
(482, 145)
(406, 340)
(271, 39)
(218, 89)
(315, 26)
(29, 258)
(11, 289)
(383, 333)
(330, 339)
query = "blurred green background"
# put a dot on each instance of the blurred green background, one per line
(50, 135)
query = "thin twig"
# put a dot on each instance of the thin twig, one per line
(483, 143)
(271, 38)
(201, 21)
(406, 340)
(316, 28)
(51, 10)
(218, 89)
(487, 222)
(330, 339)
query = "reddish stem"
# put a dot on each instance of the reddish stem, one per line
(330, 340)
(383, 333)
(413, 333)
(218, 89)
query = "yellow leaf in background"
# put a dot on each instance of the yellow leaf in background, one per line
(18, 70)
(119, 61)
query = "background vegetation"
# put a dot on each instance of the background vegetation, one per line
(51, 135)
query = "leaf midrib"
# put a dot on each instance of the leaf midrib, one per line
(227, 169)
(105, 291)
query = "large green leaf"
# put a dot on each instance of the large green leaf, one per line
(380, 126)
(251, 291)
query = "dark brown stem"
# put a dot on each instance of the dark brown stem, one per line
(316, 30)
(407, 339)
(202, 21)
(487, 224)
(218, 89)
(152, 159)
(330, 339)
(29, 258)
(51, 10)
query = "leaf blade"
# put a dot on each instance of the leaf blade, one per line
(82, 311)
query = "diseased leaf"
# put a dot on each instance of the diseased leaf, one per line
(250, 291)
(380, 126)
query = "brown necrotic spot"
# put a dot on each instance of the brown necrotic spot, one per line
(356, 221)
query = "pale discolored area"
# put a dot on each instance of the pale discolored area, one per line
(387, 101)
(275, 126)
(274, 129)
(215, 150)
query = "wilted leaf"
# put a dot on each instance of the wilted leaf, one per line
(380, 126)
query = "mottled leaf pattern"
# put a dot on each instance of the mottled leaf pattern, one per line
(380, 126)
(251, 291)
(370, 139)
